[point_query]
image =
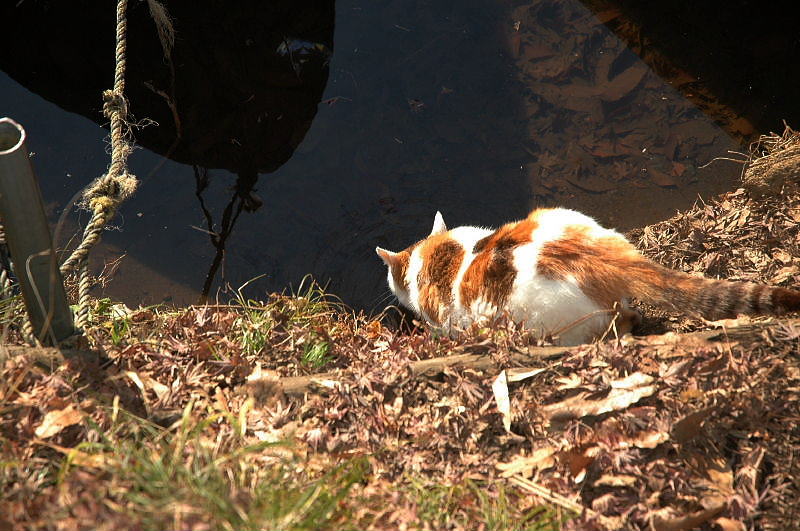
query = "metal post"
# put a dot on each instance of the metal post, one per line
(29, 241)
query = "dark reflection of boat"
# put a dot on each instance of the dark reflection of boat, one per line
(238, 90)
(212, 84)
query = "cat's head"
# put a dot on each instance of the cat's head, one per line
(398, 265)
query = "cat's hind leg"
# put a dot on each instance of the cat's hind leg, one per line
(626, 319)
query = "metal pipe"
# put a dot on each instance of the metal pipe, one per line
(29, 241)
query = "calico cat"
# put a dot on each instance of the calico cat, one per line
(557, 272)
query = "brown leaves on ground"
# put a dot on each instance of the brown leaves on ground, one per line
(735, 237)
(656, 434)
(652, 438)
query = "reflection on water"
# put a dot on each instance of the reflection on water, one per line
(734, 60)
(473, 108)
(609, 121)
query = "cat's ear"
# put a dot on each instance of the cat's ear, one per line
(438, 224)
(388, 257)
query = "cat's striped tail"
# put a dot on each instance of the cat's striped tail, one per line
(712, 299)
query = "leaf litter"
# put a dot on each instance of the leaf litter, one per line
(664, 432)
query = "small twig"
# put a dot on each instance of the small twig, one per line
(561, 501)
(579, 320)
(738, 161)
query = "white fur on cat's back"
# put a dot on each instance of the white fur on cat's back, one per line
(461, 317)
(535, 301)
(554, 305)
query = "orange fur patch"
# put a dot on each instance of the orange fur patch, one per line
(441, 259)
(608, 269)
(491, 274)
(399, 267)
(602, 267)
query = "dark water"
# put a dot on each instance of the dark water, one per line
(482, 110)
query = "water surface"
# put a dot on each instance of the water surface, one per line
(478, 109)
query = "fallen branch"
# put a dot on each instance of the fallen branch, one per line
(557, 499)
(300, 385)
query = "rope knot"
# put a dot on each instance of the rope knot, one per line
(102, 203)
(113, 103)
(108, 191)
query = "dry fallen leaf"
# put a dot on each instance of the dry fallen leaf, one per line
(728, 524)
(570, 381)
(541, 459)
(612, 480)
(637, 379)
(747, 475)
(81, 458)
(714, 478)
(158, 388)
(500, 390)
(624, 392)
(519, 374)
(645, 439)
(784, 274)
(593, 183)
(100, 460)
(661, 178)
(135, 379)
(666, 520)
(57, 420)
(578, 460)
(689, 426)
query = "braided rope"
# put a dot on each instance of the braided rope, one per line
(104, 194)
(27, 332)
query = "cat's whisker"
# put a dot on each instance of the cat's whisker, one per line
(378, 306)
(383, 299)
